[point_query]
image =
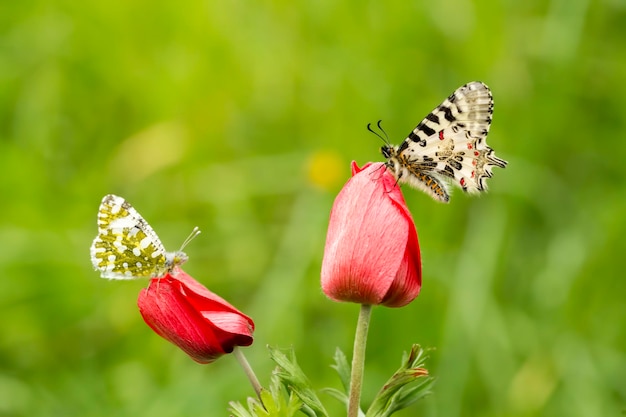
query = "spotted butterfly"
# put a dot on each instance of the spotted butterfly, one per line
(449, 145)
(126, 247)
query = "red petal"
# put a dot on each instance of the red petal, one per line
(368, 238)
(184, 312)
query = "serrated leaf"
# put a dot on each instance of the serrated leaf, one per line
(343, 368)
(238, 410)
(335, 393)
(275, 402)
(291, 376)
(396, 394)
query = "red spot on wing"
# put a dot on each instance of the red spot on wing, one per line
(469, 145)
(441, 135)
(473, 174)
(462, 182)
(476, 153)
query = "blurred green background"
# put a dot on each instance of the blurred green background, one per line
(241, 118)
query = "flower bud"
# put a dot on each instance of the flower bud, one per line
(184, 312)
(372, 254)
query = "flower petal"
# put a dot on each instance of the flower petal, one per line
(201, 323)
(369, 233)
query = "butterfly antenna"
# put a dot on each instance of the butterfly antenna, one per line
(383, 130)
(195, 232)
(384, 139)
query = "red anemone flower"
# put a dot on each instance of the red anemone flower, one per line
(372, 254)
(184, 312)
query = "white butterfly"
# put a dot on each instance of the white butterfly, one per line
(126, 247)
(448, 145)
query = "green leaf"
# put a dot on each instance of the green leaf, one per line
(343, 368)
(291, 376)
(335, 393)
(341, 397)
(275, 402)
(396, 394)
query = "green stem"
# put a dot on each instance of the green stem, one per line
(248, 371)
(358, 359)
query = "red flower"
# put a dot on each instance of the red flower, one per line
(372, 254)
(202, 324)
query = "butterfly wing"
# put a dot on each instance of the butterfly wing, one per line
(451, 141)
(126, 247)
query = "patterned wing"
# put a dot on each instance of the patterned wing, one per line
(451, 141)
(126, 246)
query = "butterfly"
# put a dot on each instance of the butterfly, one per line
(449, 145)
(126, 247)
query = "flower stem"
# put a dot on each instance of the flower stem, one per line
(358, 359)
(248, 371)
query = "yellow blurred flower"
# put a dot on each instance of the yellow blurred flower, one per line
(326, 169)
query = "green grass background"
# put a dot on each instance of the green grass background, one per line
(241, 117)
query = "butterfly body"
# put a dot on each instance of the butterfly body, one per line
(449, 145)
(126, 247)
